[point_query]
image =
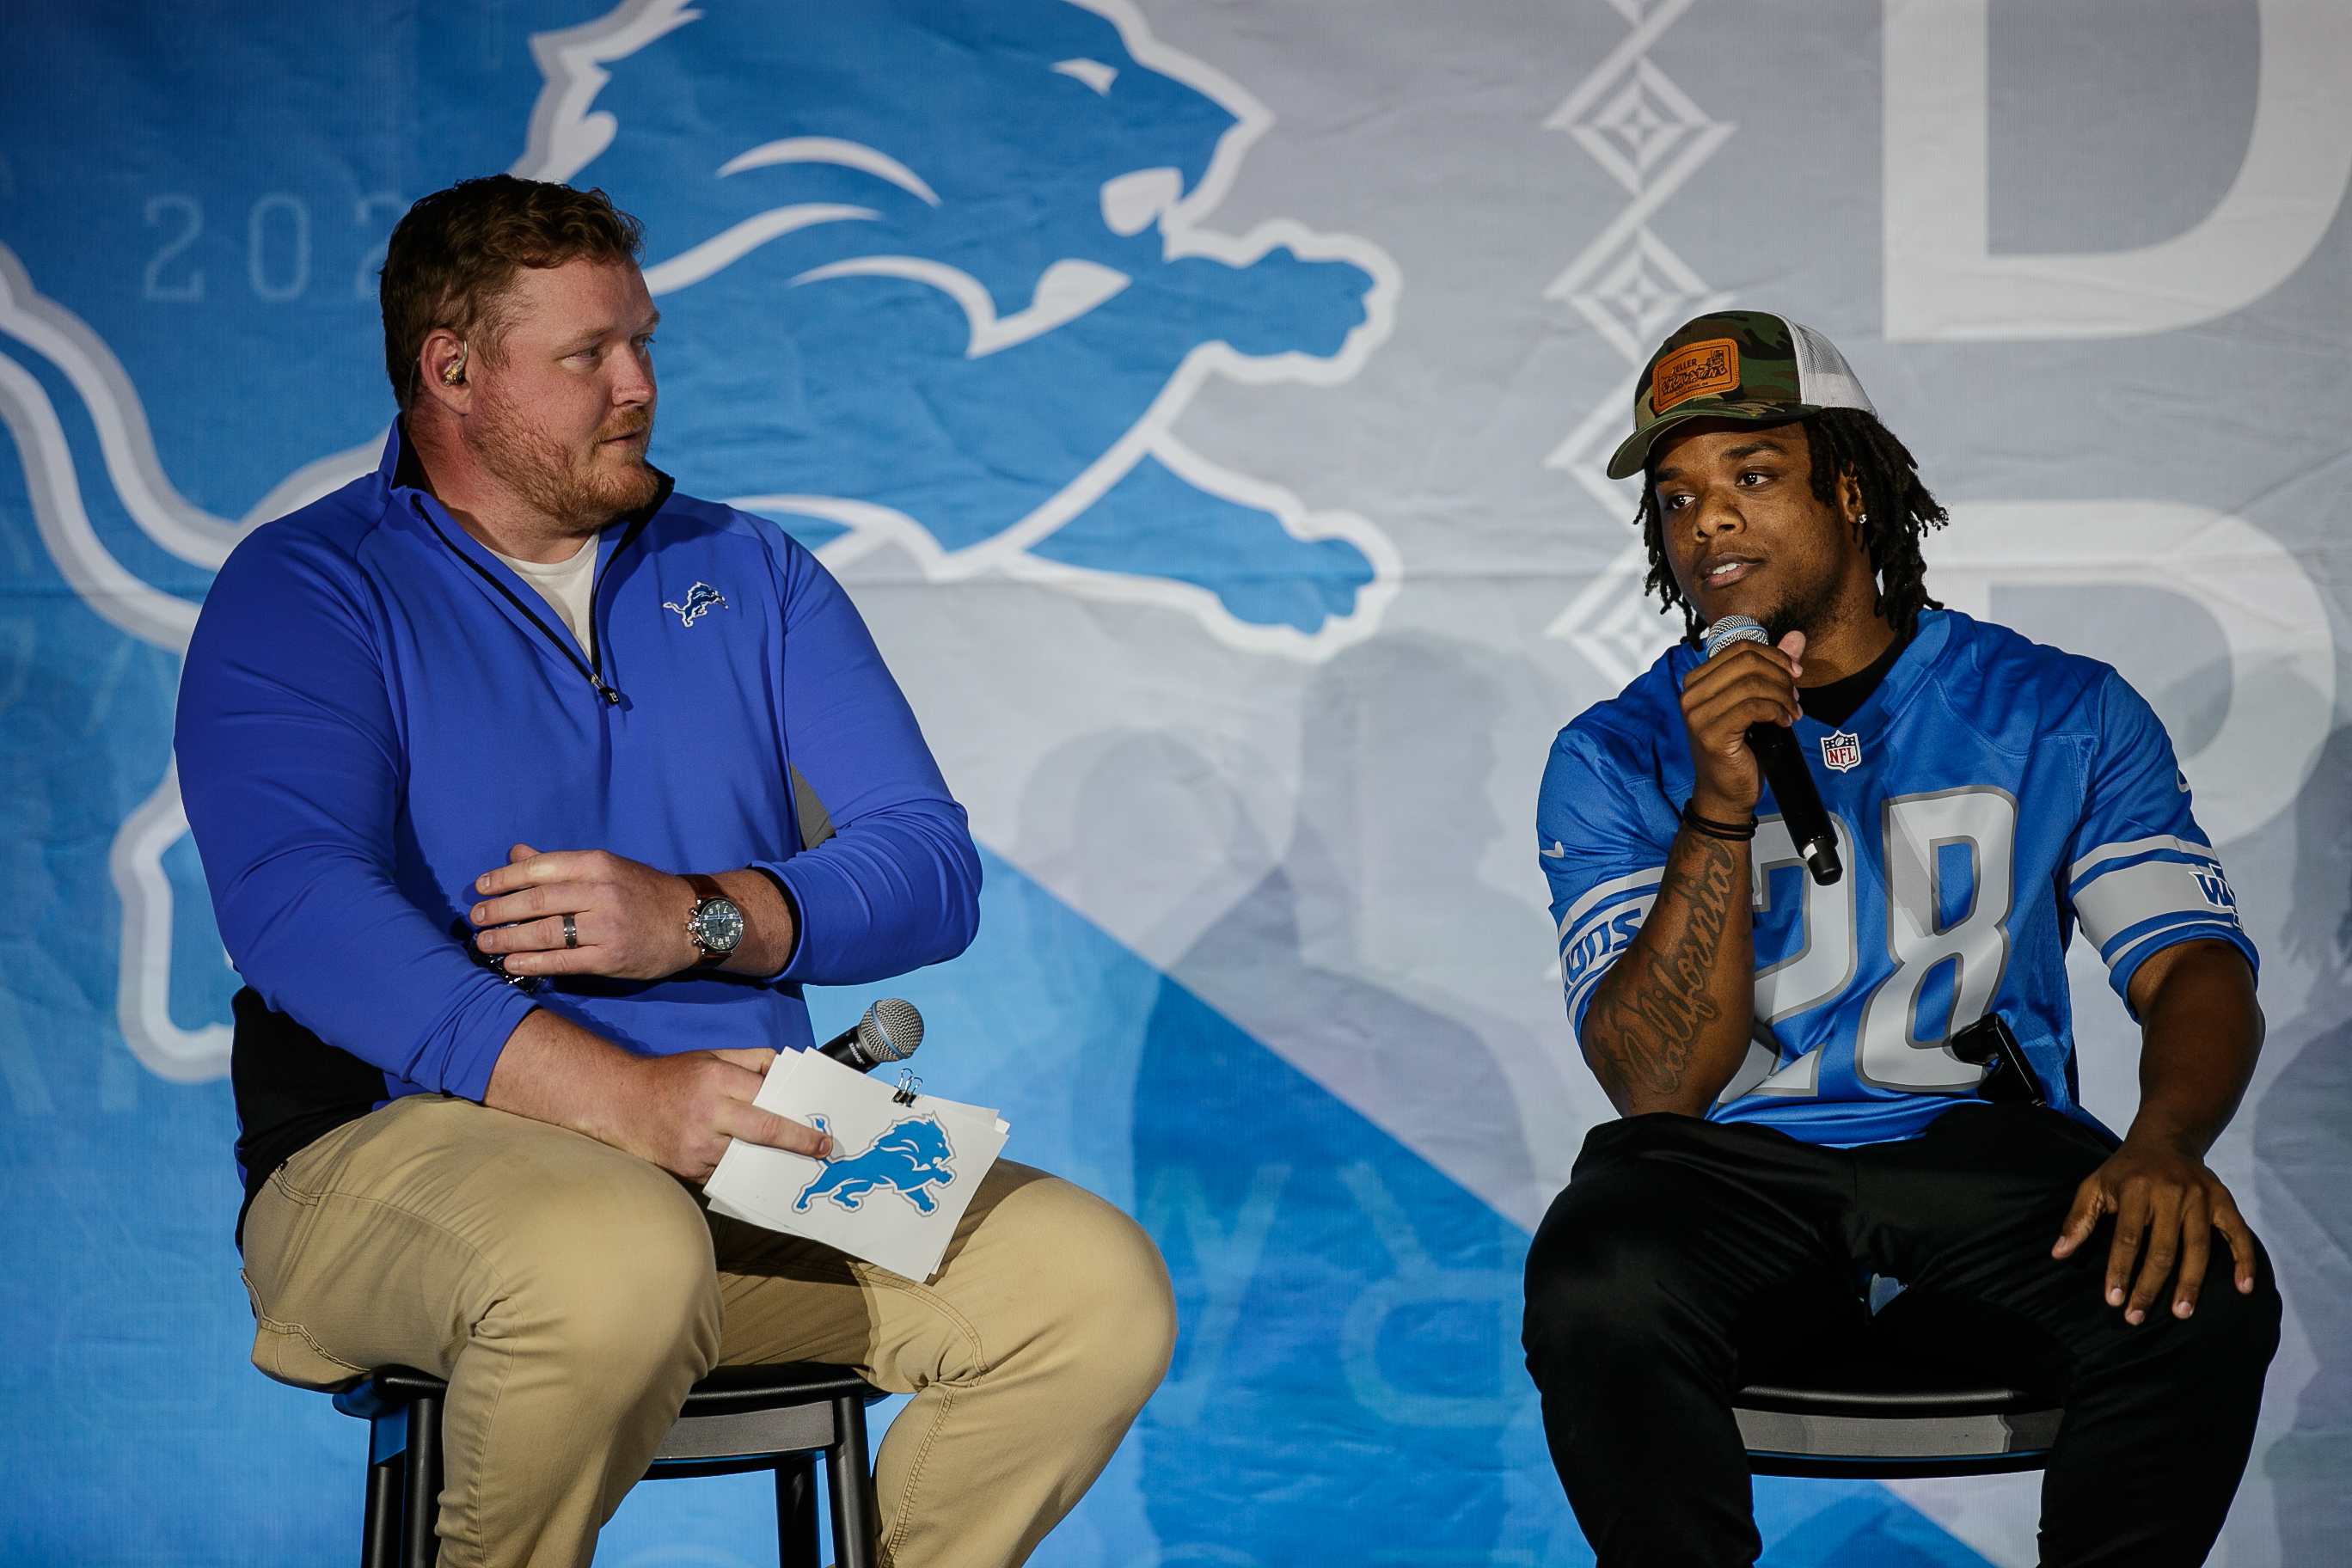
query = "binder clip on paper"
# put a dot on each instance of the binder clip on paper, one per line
(908, 1085)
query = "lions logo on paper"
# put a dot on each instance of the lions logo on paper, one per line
(909, 1157)
(937, 276)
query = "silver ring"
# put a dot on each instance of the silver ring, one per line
(571, 932)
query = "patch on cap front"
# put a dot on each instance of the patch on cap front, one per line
(1747, 365)
(1694, 370)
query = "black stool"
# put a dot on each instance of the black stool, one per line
(739, 1418)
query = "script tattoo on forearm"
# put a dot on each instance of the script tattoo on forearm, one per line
(1647, 1024)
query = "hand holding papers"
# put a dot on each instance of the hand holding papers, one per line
(903, 1169)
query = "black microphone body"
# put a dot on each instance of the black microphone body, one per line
(1784, 768)
(889, 1031)
(1799, 798)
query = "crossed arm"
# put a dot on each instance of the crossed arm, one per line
(678, 1111)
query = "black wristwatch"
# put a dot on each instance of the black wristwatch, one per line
(716, 926)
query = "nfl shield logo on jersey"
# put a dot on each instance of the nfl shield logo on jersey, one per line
(1841, 751)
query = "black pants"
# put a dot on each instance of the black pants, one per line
(1686, 1258)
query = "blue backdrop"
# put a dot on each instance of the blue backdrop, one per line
(1203, 403)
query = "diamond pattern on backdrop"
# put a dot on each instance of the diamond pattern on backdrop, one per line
(1630, 287)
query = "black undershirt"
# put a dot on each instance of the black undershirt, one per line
(1840, 700)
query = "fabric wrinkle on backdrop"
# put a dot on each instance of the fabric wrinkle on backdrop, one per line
(1205, 404)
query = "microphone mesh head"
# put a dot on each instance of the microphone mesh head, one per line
(1728, 629)
(890, 1030)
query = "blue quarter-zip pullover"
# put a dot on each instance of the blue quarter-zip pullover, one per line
(374, 707)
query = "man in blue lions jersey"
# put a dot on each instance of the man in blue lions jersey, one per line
(1796, 1122)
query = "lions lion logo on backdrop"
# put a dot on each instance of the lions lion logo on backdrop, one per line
(932, 275)
(935, 275)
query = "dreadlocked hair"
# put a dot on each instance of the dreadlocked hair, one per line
(1896, 506)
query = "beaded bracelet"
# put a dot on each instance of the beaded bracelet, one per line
(1698, 824)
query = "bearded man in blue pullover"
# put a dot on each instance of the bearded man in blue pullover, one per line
(529, 793)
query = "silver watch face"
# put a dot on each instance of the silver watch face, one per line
(718, 925)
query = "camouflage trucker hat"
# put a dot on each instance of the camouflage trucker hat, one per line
(1750, 365)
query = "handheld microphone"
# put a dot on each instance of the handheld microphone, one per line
(889, 1032)
(1784, 767)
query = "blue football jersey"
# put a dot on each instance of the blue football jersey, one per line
(1991, 795)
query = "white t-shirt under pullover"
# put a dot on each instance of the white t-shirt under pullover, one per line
(566, 586)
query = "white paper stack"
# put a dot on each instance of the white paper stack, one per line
(900, 1176)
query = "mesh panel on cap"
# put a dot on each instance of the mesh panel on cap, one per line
(1824, 378)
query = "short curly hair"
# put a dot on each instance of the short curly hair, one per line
(452, 260)
(1898, 507)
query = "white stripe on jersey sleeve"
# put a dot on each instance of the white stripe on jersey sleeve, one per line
(2134, 848)
(1597, 928)
(1649, 877)
(2119, 908)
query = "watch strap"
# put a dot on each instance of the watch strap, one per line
(705, 889)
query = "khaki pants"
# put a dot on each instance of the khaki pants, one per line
(571, 1293)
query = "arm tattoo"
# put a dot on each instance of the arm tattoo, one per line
(1641, 1032)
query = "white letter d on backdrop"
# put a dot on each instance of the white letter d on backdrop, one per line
(1943, 285)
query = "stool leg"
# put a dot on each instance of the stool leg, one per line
(856, 1524)
(424, 1499)
(796, 1537)
(380, 1532)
